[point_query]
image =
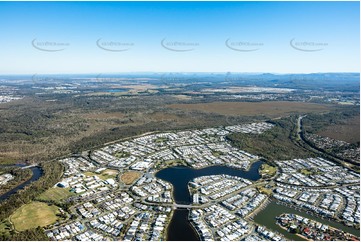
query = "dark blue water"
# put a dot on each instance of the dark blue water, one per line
(180, 176)
(37, 173)
(179, 228)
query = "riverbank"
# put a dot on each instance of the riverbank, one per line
(36, 174)
(19, 176)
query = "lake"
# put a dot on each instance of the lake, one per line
(180, 176)
(180, 228)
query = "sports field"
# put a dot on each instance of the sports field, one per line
(129, 177)
(55, 194)
(33, 215)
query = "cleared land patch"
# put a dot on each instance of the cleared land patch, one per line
(182, 97)
(271, 109)
(106, 174)
(33, 215)
(129, 177)
(55, 194)
(349, 131)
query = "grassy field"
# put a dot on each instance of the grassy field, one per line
(270, 109)
(106, 174)
(129, 177)
(55, 194)
(121, 154)
(308, 172)
(33, 215)
(268, 170)
(348, 131)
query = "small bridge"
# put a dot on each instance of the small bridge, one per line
(175, 206)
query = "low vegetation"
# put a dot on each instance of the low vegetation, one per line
(33, 215)
(170, 163)
(308, 172)
(267, 170)
(36, 234)
(121, 154)
(20, 176)
(54, 194)
(104, 175)
(342, 124)
(267, 108)
(264, 190)
(278, 143)
(129, 177)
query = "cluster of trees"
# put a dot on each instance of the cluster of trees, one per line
(52, 172)
(36, 234)
(20, 176)
(278, 143)
(315, 122)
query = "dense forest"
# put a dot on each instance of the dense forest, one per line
(315, 122)
(278, 143)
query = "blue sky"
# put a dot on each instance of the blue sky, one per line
(325, 37)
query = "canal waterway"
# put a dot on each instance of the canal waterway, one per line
(267, 217)
(180, 228)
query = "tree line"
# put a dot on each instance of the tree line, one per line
(52, 172)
